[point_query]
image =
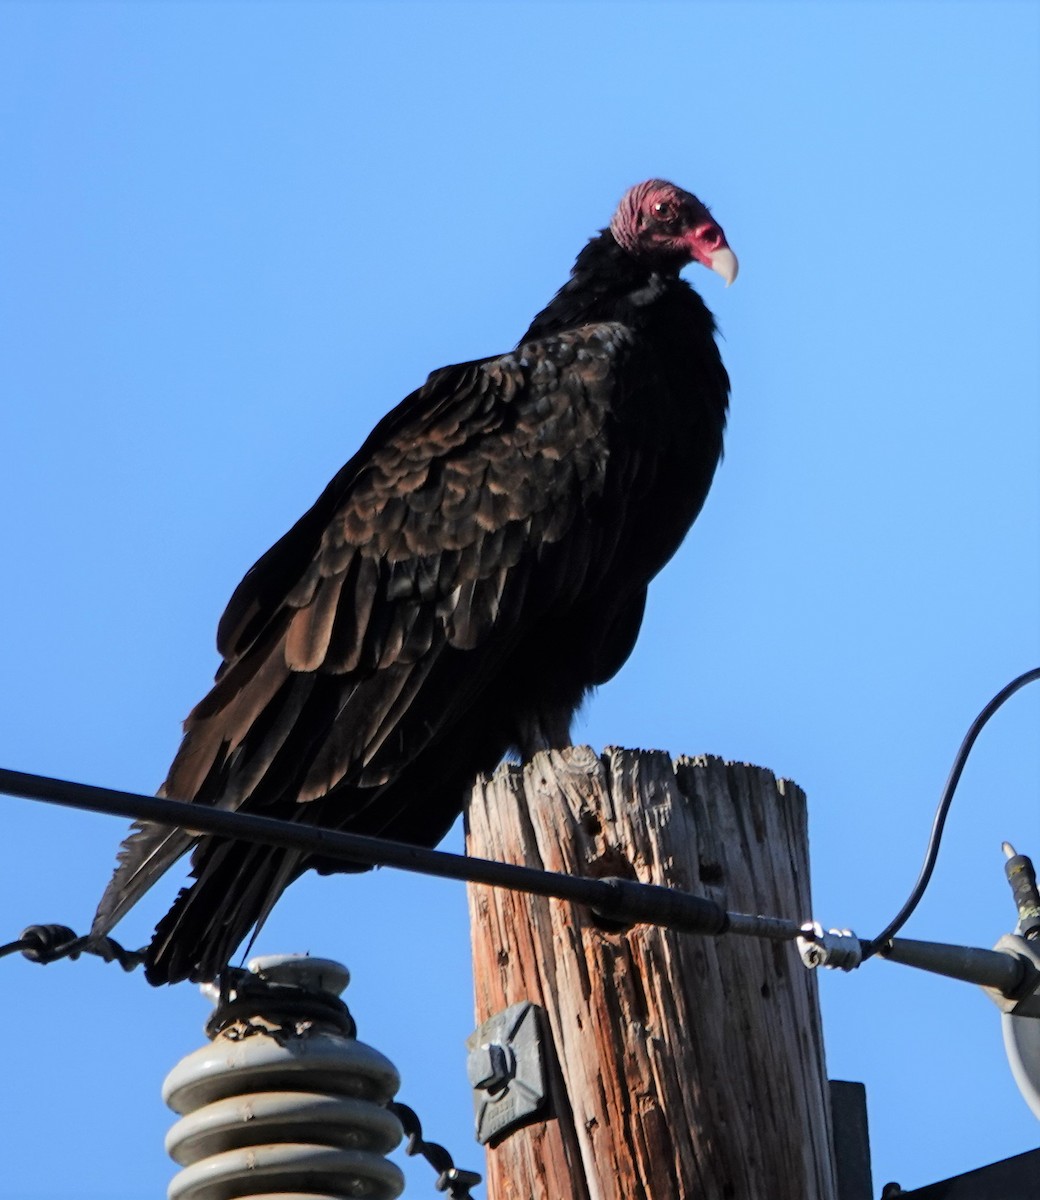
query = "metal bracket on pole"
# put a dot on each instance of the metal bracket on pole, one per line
(506, 1066)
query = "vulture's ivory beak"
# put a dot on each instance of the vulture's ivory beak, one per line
(724, 262)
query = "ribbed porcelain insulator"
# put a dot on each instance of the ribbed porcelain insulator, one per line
(284, 1109)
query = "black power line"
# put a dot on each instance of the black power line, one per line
(616, 899)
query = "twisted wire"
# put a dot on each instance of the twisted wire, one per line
(49, 943)
(453, 1180)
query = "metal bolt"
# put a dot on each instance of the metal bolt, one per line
(491, 1066)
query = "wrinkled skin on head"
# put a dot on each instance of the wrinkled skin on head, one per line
(669, 228)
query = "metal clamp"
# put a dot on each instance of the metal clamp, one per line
(838, 949)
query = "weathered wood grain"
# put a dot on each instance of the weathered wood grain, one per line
(686, 1067)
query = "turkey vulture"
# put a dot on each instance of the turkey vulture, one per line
(462, 583)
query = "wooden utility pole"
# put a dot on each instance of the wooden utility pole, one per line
(679, 1067)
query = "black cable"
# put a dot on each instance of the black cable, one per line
(614, 898)
(49, 943)
(14, 947)
(932, 853)
(456, 1181)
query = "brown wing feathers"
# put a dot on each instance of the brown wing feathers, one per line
(401, 594)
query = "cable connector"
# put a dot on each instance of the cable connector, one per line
(838, 949)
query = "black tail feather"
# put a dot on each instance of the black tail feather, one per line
(235, 889)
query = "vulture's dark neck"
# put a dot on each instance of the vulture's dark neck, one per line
(606, 284)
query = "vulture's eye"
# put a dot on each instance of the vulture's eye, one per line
(664, 210)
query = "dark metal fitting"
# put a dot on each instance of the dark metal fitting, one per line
(506, 1066)
(457, 1181)
(491, 1066)
(1021, 875)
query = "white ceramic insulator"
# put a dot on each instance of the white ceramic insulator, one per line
(1022, 1043)
(283, 1118)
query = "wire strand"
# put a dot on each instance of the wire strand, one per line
(946, 799)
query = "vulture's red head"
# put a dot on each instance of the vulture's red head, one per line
(668, 228)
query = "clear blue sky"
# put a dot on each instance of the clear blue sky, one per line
(235, 234)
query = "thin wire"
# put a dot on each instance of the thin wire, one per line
(932, 853)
